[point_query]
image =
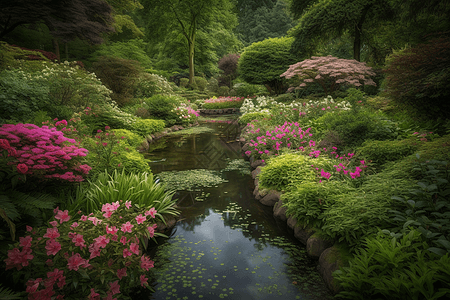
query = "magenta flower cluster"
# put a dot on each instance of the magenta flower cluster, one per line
(86, 249)
(264, 143)
(43, 151)
(224, 99)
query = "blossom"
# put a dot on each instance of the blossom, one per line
(52, 233)
(126, 253)
(123, 239)
(62, 216)
(143, 280)
(25, 241)
(22, 168)
(111, 230)
(128, 204)
(146, 263)
(79, 241)
(76, 261)
(52, 247)
(101, 241)
(140, 219)
(114, 287)
(29, 228)
(151, 230)
(95, 220)
(134, 248)
(93, 295)
(151, 212)
(126, 227)
(122, 272)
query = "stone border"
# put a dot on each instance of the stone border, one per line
(220, 111)
(327, 253)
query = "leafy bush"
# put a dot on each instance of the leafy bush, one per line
(148, 126)
(99, 116)
(247, 118)
(223, 91)
(133, 139)
(417, 78)
(139, 188)
(184, 82)
(308, 200)
(120, 75)
(285, 171)
(380, 152)
(392, 268)
(161, 107)
(263, 63)
(148, 85)
(243, 89)
(130, 49)
(201, 83)
(228, 64)
(329, 72)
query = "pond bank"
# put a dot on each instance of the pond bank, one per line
(327, 253)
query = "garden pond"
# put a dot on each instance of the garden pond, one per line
(226, 244)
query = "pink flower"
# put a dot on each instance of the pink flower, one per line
(122, 273)
(126, 253)
(101, 241)
(83, 218)
(93, 295)
(25, 241)
(111, 230)
(32, 285)
(146, 263)
(127, 227)
(29, 228)
(362, 162)
(79, 241)
(54, 223)
(76, 261)
(52, 233)
(123, 239)
(62, 216)
(128, 204)
(94, 220)
(143, 280)
(114, 287)
(152, 212)
(52, 247)
(22, 168)
(140, 219)
(134, 248)
(151, 230)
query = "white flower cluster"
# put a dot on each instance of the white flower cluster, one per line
(260, 104)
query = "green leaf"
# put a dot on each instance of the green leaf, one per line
(438, 251)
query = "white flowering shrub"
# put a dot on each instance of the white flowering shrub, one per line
(152, 84)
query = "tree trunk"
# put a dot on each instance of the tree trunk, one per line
(66, 46)
(358, 33)
(56, 49)
(191, 62)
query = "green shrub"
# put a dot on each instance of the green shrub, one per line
(133, 139)
(223, 90)
(184, 82)
(145, 127)
(243, 89)
(99, 116)
(131, 49)
(394, 268)
(353, 128)
(380, 152)
(119, 75)
(161, 107)
(417, 79)
(150, 84)
(131, 161)
(201, 83)
(287, 171)
(307, 202)
(247, 118)
(213, 85)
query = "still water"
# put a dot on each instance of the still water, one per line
(227, 245)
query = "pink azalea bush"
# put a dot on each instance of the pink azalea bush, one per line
(43, 152)
(98, 256)
(330, 72)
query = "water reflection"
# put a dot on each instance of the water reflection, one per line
(227, 244)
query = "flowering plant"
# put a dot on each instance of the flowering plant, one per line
(185, 113)
(86, 256)
(223, 102)
(43, 152)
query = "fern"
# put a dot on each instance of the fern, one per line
(7, 294)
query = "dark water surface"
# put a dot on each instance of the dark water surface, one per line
(227, 245)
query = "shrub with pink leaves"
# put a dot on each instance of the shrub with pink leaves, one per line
(329, 72)
(43, 152)
(86, 257)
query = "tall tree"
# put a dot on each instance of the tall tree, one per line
(66, 19)
(259, 20)
(325, 19)
(184, 17)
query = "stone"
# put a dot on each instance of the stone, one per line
(256, 172)
(316, 245)
(302, 233)
(257, 163)
(245, 147)
(291, 222)
(329, 261)
(271, 198)
(279, 211)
